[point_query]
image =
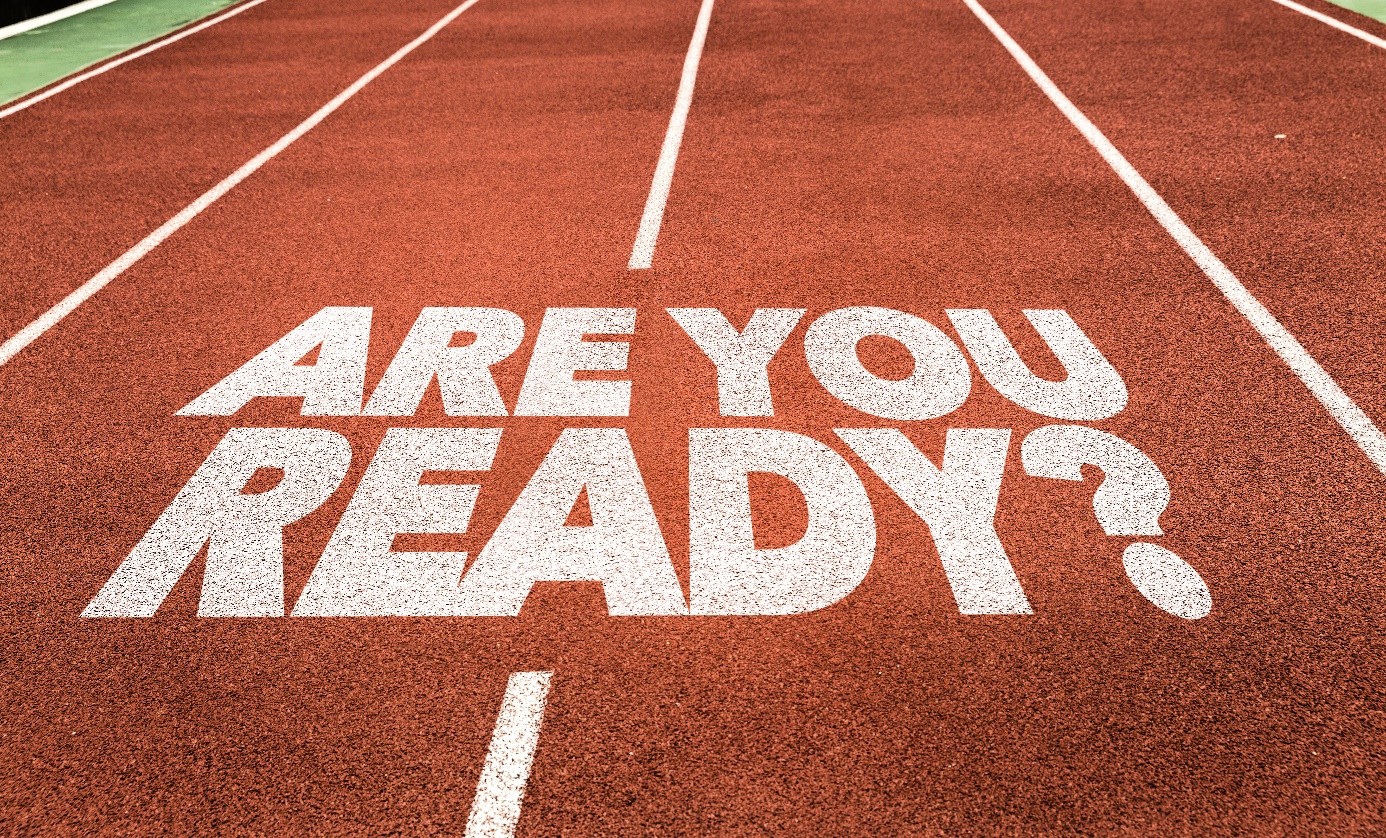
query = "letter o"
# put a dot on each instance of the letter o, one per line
(938, 385)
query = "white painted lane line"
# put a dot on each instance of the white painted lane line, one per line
(1334, 22)
(501, 789)
(52, 17)
(73, 81)
(642, 254)
(1356, 423)
(68, 304)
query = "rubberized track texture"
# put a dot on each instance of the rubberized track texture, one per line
(837, 156)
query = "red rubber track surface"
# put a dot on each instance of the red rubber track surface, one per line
(88, 173)
(838, 153)
(1195, 99)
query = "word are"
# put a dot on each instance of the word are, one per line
(939, 383)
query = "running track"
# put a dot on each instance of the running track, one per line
(836, 154)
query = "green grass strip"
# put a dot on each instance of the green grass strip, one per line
(39, 57)
(1370, 8)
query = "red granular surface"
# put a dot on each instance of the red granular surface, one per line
(838, 154)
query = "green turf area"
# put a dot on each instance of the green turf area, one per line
(1370, 8)
(41, 56)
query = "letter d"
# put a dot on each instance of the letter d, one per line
(728, 575)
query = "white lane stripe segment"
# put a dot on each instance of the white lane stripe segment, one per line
(51, 318)
(124, 59)
(1334, 22)
(1356, 423)
(642, 254)
(501, 789)
(52, 17)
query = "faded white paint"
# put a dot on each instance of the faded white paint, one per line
(741, 358)
(728, 574)
(243, 532)
(1092, 389)
(958, 502)
(938, 384)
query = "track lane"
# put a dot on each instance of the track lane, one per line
(186, 215)
(1297, 218)
(90, 172)
(502, 159)
(910, 164)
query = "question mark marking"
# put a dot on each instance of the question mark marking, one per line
(1132, 496)
(1167, 580)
